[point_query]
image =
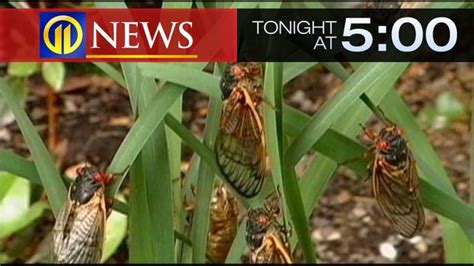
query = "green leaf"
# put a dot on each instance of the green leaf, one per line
(180, 4)
(7, 180)
(205, 186)
(115, 232)
(54, 74)
(448, 105)
(198, 147)
(112, 72)
(272, 4)
(21, 167)
(52, 183)
(20, 92)
(284, 178)
(337, 69)
(429, 117)
(15, 206)
(15, 4)
(33, 213)
(22, 69)
(142, 130)
(150, 190)
(292, 70)
(195, 78)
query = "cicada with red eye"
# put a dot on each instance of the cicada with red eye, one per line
(395, 181)
(224, 214)
(78, 233)
(266, 238)
(240, 144)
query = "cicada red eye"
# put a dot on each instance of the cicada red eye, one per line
(383, 145)
(100, 177)
(103, 178)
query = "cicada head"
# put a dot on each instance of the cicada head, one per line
(88, 181)
(258, 223)
(236, 72)
(391, 145)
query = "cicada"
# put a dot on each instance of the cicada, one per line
(240, 145)
(223, 224)
(266, 238)
(395, 180)
(78, 233)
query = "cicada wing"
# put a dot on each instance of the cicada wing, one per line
(82, 242)
(399, 201)
(90, 225)
(241, 149)
(60, 232)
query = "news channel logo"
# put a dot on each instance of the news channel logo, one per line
(62, 34)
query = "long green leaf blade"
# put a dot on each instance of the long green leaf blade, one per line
(50, 178)
(142, 130)
(151, 183)
(282, 178)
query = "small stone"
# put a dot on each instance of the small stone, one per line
(363, 232)
(326, 232)
(462, 186)
(71, 171)
(121, 121)
(334, 236)
(359, 212)
(297, 97)
(343, 197)
(38, 113)
(395, 239)
(388, 251)
(70, 106)
(317, 235)
(422, 247)
(5, 135)
(415, 239)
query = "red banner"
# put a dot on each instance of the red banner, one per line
(80, 35)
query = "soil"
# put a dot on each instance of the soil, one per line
(94, 116)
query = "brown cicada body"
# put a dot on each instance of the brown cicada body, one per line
(78, 233)
(395, 181)
(223, 224)
(266, 238)
(240, 145)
